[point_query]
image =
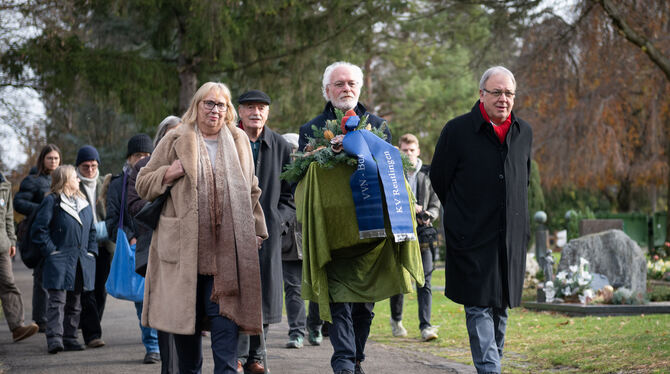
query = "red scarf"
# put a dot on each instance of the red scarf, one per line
(501, 130)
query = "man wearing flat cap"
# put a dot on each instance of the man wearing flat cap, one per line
(271, 152)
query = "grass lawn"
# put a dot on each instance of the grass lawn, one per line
(540, 342)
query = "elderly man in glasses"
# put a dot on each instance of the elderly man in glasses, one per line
(341, 88)
(480, 172)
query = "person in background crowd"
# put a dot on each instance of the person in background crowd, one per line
(270, 153)
(10, 296)
(93, 301)
(203, 259)
(292, 271)
(139, 147)
(341, 87)
(480, 172)
(427, 209)
(65, 233)
(32, 190)
(166, 344)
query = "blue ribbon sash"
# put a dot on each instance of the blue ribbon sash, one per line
(364, 185)
(378, 160)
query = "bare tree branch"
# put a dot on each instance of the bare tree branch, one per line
(636, 38)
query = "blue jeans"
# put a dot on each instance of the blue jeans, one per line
(486, 329)
(424, 294)
(224, 336)
(349, 333)
(149, 335)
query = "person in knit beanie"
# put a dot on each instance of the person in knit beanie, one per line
(93, 302)
(139, 147)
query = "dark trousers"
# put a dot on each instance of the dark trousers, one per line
(349, 333)
(314, 322)
(93, 302)
(295, 305)
(63, 313)
(424, 295)
(249, 347)
(224, 336)
(168, 351)
(40, 296)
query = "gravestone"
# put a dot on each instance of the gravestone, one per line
(593, 226)
(611, 253)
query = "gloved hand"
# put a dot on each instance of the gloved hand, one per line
(101, 231)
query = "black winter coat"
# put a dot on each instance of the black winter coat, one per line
(32, 190)
(329, 114)
(114, 209)
(143, 233)
(278, 208)
(483, 187)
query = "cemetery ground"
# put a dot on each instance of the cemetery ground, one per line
(537, 342)
(541, 342)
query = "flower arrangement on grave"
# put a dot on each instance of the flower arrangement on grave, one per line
(325, 147)
(657, 268)
(571, 285)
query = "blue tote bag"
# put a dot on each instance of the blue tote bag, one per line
(123, 282)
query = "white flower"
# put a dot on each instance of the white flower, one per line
(574, 268)
(583, 261)
(561, 275)
(567, 291)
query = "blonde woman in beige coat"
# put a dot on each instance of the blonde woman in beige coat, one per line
(203, 270)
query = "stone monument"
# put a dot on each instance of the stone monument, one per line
(610, 253)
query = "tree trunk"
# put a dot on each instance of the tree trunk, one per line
(188, 81)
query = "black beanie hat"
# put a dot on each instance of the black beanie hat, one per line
(87, 153)
(140, 143)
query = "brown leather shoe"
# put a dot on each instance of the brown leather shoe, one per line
(23, 332)
(240, 368)
(256, 368)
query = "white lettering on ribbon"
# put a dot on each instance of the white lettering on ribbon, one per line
(394, 181)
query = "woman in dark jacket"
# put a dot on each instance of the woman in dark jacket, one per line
(31, 193)
(64, 231)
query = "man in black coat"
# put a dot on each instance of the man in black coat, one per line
(480, 172)
(271, 152)
(341, 87)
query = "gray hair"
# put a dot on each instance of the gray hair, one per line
(329, 70)
(495, 70)
(168, 123)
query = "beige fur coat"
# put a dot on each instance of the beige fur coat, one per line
(172, 270)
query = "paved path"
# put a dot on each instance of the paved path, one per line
(124, 351)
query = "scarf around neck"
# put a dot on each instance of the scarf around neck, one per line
(500, 130)
(227, 240)
(72, 205)
(90, 185)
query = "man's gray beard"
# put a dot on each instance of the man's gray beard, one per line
(341, 104)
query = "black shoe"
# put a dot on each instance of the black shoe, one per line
(152, 358)
(55, 347)
(73, 346)
(358, 369)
